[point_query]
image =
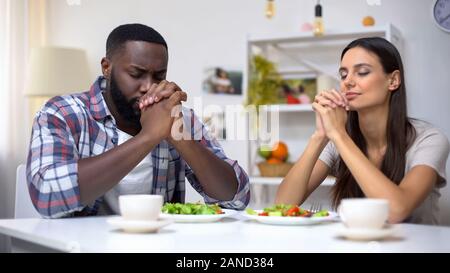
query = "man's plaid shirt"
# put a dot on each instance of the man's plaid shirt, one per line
(69, 128)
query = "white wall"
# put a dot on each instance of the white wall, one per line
(203, 33)
(14, 136)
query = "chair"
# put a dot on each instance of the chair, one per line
(23, 207)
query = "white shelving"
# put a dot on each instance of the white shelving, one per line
(288, 108)
(329, 181)
(387, 31)
(303, 53)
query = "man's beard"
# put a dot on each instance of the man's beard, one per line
(124, 107)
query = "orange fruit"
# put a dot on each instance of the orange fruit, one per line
(280, 151)
(274, 160)
(368, 21)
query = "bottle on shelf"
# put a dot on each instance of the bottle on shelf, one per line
(318, 20)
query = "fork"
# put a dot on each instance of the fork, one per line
(315, 207)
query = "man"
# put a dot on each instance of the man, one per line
(87, 149)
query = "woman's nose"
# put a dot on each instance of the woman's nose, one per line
(349, 82)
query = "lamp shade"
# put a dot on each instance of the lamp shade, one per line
(56, 71)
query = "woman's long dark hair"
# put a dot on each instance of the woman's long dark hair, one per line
(400, 132)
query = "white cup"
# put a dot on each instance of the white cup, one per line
(367, 213)
(144, 207)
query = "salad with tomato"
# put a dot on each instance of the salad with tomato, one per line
(191, 209)
(287, 211)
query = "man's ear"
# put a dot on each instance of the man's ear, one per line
(106, 67)
(394, 80)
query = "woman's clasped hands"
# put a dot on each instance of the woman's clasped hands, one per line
(331, 113)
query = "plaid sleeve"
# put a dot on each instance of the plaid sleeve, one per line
(52, 173)
(200, 133)
(177, 164)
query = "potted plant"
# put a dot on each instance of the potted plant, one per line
(264, 88)
(264, 83)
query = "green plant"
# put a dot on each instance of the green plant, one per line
(264, 82)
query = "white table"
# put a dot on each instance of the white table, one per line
(230, 235)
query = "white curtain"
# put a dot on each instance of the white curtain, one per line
(14, 128)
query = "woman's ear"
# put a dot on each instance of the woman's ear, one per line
(394, 80)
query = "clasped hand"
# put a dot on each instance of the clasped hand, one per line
(331, 113)
(160, 109)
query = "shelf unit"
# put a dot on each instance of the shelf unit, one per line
(305, 54)
(302, 55)
(281, 108)
(387, 31)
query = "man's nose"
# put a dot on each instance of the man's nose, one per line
(146, 84)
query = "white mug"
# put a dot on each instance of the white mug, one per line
(146, 207)
(368, 213)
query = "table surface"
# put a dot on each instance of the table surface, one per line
(230, 235)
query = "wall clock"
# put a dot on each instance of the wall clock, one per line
(441, 14)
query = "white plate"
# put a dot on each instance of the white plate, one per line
(291, 221)
(184, 218)
(136, 226)
(362, 234)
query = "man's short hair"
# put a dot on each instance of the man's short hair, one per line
(131, 32)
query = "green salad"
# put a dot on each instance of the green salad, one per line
(287, 210)
(191, 209)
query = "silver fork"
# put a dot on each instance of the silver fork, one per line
(315, 207)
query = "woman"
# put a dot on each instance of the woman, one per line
(364, 137)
